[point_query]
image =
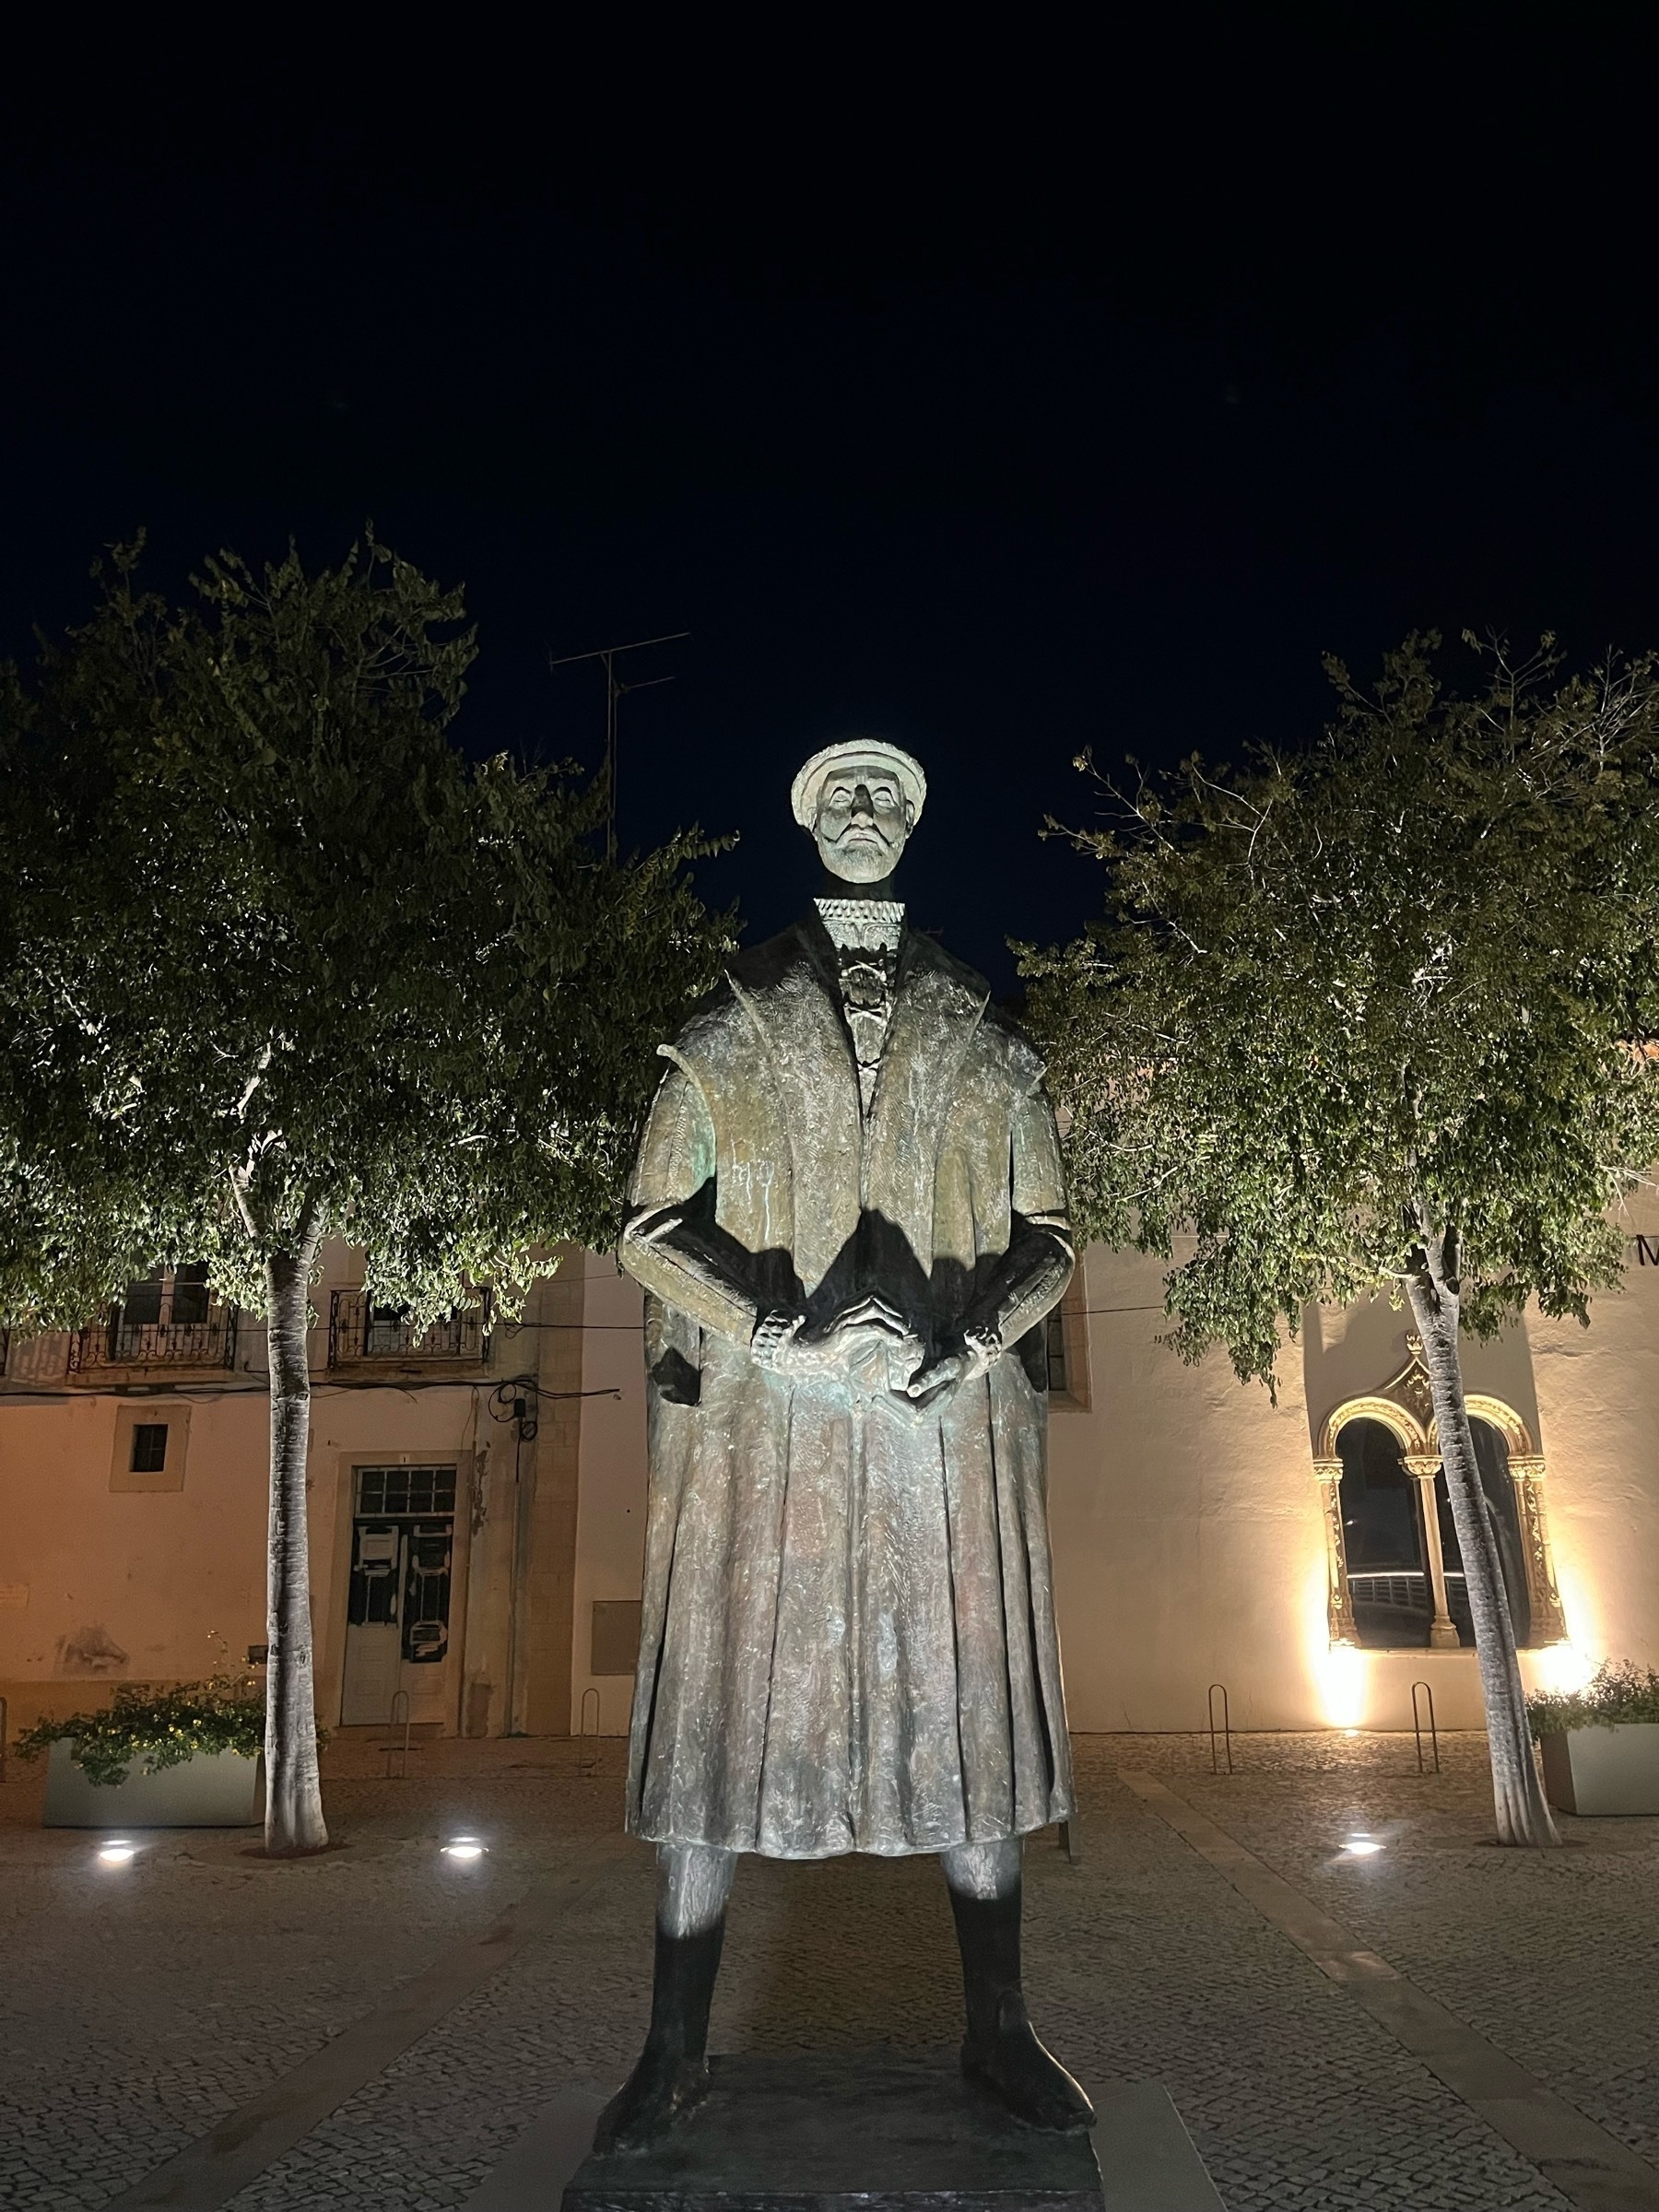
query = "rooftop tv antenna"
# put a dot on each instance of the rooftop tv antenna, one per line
(613, 691)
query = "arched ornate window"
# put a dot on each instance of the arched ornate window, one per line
(1384, 1544)
(1395, 1573)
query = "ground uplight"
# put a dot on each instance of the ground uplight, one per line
(464, 1848)
(1363, 1847)
(116, 1853)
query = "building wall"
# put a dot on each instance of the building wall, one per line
(1598, 1409)
(1188, 1537)
(547, 1608)
(1189, 1544)
(610, 1550)
(1187, 1533)
(101, 1584)
(100, 1587)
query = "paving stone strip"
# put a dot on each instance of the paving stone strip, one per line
(1589, 2167)
(211, 2170)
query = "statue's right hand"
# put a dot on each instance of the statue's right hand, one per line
(859, 1346)
(855, 1353)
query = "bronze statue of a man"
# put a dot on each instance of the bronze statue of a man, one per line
(850, 1220)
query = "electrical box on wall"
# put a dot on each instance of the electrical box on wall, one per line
(614, 1647)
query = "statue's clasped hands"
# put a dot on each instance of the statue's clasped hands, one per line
(872, 1348)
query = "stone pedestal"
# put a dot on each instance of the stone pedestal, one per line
(874, 2131)
(883, 2121)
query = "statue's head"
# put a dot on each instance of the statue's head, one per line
(859, 801)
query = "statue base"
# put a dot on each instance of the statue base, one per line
(860, 2131)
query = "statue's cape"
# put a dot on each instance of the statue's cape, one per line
(923, 1184)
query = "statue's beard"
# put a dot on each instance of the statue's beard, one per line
(873, 856)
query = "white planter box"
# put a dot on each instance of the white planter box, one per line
(215, 1789)
(1603, 1769)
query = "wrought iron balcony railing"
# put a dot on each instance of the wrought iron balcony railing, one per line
(125, 1341)
(359, 1331)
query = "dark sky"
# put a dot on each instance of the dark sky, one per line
(1004, 392)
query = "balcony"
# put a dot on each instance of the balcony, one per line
(1394, 1605)
(168, 1321)
(361, 1335)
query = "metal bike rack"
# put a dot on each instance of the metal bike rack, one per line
(1416, 1727)
(399, 1752)
(1226, 1728)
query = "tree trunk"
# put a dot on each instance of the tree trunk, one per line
(293, 1793)
(1523, 1812)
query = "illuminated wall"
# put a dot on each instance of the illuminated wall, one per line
(1189, 1541)
(1187, 1525)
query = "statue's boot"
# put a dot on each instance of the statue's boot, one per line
(1001, 2051)
(673, 2069)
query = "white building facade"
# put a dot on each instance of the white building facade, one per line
(477, 1507)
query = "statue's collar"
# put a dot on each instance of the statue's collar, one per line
(862, 925)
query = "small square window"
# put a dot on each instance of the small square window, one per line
(149, 1447)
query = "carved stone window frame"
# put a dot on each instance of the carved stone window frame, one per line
(1406, 1406)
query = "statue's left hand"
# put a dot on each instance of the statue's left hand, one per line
(939, 1380)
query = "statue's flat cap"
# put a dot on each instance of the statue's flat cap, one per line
(870, 752)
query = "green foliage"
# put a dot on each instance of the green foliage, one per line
(162, 1728)
(1617, 1692)
(273, 953)
(276, 961)
(1391, 989)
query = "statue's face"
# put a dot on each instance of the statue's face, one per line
(862, 822)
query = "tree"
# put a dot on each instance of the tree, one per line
(280, 962)
(1368, 1018)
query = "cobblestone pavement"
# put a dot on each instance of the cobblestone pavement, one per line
(137, 2007)
(1554, 1956)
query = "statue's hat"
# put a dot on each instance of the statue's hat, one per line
(870, 752)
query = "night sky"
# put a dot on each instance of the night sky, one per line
(1005, 391)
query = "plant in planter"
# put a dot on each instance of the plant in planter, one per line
(215, 1729)
(162, 1728)
(1600, 1744)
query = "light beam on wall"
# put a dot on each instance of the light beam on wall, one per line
(1342, 1683)
(1337, 1670)
(1560, 1669)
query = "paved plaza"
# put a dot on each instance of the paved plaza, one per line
(1215, 1934)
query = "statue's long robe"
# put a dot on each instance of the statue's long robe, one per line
(848, 1639)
